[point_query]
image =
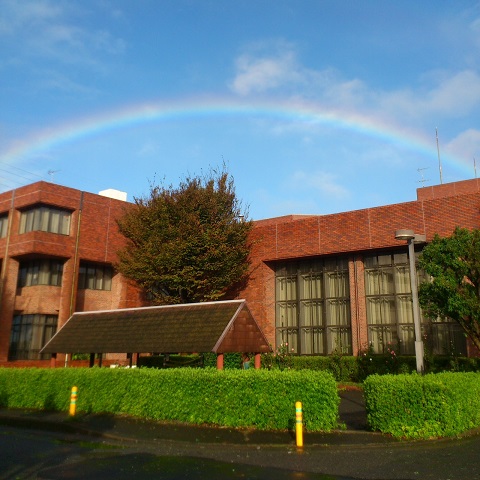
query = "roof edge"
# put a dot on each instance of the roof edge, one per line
(229, 324)
(88, 312)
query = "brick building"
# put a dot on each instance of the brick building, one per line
(318, 282)
(57, 250)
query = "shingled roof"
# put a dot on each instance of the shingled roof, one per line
(220, 327)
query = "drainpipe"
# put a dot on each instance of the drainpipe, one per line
(5, 258)
(7, 244)
(75, 260)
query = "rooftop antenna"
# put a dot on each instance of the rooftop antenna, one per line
(439, 161)
(52, 175)
(423, 180)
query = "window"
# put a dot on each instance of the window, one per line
(95, 276)
(3, 225)
(389, 302)
(313, 306)
(444, 336)
(45, 219)
(43, 271)
(29, 334)
(390, 311)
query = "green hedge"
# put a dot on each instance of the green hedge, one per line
(343, 367)
(231, 361)
(252, 398)
(415, 406)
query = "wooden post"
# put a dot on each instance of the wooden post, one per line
(220, 361)
(258, 361)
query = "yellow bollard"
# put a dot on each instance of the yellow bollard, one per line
(299, 423)
(73, 401)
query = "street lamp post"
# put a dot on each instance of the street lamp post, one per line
(410, 236)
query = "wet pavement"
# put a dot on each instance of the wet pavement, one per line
(352, 416)
(184, 451)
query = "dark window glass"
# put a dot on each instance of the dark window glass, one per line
(29, 335)
(45, 219)
(95, 276)
(390, 311)
(3, 225)
(313, 306)
(43, 271)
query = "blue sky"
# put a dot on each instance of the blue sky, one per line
(315, 107)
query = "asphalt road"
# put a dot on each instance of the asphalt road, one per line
(32, 454)
(51, 445)
(38, 454)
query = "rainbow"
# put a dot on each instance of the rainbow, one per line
(162, 111)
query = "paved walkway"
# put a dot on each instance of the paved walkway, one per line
(352, 410)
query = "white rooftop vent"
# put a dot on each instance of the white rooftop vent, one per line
(112, 193)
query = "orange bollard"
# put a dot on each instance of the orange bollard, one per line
(73, 401)
(299, 423)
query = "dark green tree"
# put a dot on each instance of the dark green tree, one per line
(454, 290)
(187, 244)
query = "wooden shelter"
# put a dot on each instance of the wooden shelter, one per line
(219, 327)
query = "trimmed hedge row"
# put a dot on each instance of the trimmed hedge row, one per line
(414, 406)
(344, 368)
(252, 398)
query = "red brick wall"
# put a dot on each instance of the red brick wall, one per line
(94, 237)
(438, 210)
(448, 189)
(353, 232)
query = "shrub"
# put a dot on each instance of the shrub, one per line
(252, 398)
(415, 406)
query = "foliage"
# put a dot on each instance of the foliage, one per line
(344, 368)
(172, 361)
(415, 406)
(231, 360)
(187, 244)
(454, 291)
(281, 359)
(251, 398)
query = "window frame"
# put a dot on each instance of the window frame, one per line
(95, 276)
(392, 334)
(311, 305)
(40, 271)
(45, 218)
(4, 217)
(29, 334)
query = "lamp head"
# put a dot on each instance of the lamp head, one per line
(404, 234)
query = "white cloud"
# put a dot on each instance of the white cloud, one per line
(46, 28)
(324, 182)
(456, 95)
(466, 145)
(264, 73)
(16, 15)
(441, 93)
(449, 95)
(58, 81)
(148, 149)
